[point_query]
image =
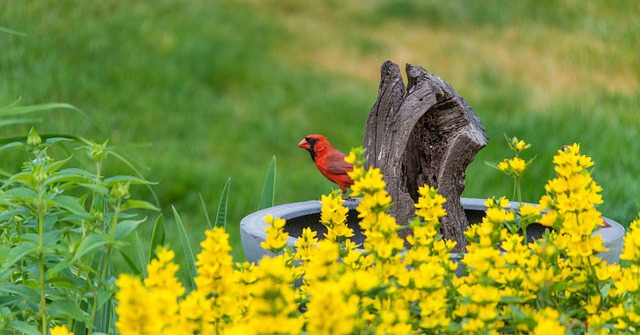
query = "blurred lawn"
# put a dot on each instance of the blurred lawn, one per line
(216, 88)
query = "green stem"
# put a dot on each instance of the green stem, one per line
(518, 191)
(94, 288)
(105, 265)
(43, 303)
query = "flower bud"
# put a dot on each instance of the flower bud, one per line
(39, 174)
(120, 190)
(97, 151)
(33, 139)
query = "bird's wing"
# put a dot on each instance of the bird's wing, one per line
(335, 163)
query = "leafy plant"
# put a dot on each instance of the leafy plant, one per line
(60, 226)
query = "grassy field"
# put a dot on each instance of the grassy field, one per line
(199, 91)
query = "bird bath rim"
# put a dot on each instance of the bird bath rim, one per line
(253, 226)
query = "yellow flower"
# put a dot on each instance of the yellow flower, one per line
(628, 282)
(276, 239)
(305, 244)
(198, 316)
(371, 182)
(518, 165)
(631, 249)
(513, 167)
(60, 330)
(547, 322)
(162, 274)
(521, 145)
(132, 305)
(529, 211)
(429, 205)
(503, 202)
(334, 217)
(504, 165)
(329, 311)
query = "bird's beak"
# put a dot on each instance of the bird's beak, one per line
(304, 144)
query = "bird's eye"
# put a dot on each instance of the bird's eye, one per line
(311, 140)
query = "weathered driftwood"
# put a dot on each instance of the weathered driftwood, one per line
(424, 134)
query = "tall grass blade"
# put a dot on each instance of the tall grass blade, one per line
(186, 246)
(157, 238)
(221, 214)
(204, 209)
(12, 32)
(11, 122)
(132, 265)
(140, 253)
(267, 198)
(13, 110)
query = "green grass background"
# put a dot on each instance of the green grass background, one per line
(199, 91)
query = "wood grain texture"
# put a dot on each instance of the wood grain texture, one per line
(423, 133)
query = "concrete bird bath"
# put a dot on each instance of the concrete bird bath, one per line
(300, 215)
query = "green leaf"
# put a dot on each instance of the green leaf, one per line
(26, 292)
(128, 179)
(91, 242)
(16, 254)
(11, 122)
(157, 238)
(204, 209)
(50, 238)
(55, 138)
(23, 327)
(21, 110)
(186, 246)
(22, 178)
(5, 173)
(10, 214)
(511, 300)
(21, 193)
(221, 214)
(68, 308)
(141, 256)
(132, 265)
(267, 198)
(10, 145)
(71, 204)
(71, 175)
(62, 265)
(106, 305)
(125, 228)
(54, 166)
(103, 297)
(96, 188)
(130, 203)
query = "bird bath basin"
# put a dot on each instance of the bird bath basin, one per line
(300, 215)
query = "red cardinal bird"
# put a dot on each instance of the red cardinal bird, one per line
(328, 160)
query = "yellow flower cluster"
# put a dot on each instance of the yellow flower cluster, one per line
(334, 216)
(150, 307)
(330, 285)
(515, 166)
(276, 236)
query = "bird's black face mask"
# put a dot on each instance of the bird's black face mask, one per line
(312, 142)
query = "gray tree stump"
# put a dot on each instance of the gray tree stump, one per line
(424, 134)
